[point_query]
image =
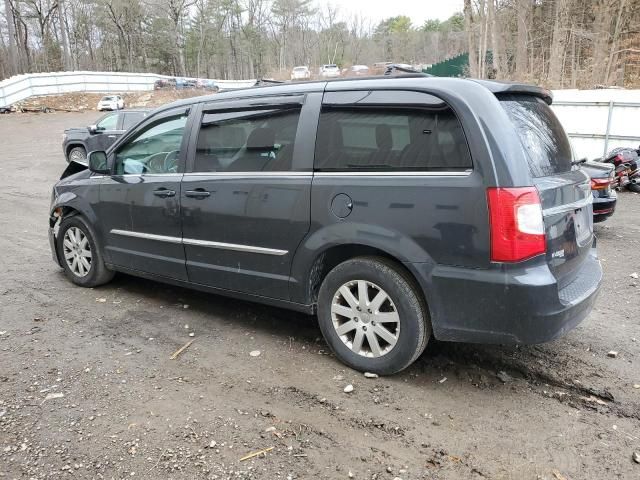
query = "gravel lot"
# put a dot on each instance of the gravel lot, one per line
(121, 408)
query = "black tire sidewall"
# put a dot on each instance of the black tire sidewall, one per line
(413, 322)
(92, 278)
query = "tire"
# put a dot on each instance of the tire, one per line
(410, 328)
(77, 154)
(634, 187)
(70, 243)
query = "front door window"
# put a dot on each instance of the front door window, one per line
(154, 150)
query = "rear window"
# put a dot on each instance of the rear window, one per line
(541, 134)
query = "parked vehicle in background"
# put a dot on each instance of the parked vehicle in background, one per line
(604, 195)
(207, 85)
(77, 142)
(329, 71)
(111, 102)
(7, 109)
(626, 161)
(163, 83)
(392, 213)
(300, 73)
(185, 83)
(358, 70)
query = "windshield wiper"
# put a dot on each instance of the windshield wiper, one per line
(578, 162)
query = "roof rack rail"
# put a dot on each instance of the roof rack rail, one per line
(393, 68)
(267, 81)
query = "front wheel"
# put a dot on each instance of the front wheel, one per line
(372, 315)
(78, 155)
(79, 254)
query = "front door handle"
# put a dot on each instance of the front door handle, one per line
(164, 193)
(198, 193)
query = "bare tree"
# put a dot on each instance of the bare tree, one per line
(12, 49)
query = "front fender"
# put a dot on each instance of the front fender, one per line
(69, 204)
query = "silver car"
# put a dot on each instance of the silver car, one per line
(329, 71)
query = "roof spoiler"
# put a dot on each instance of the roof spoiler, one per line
(497, 88)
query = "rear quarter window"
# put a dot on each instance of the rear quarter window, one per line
(544, 140)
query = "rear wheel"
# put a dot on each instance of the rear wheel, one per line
(634, 187)
(77, 154)
(79, 254)
(373, 316)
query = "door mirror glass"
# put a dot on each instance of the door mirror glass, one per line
(98, 162)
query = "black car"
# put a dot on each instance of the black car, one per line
(77, 142)
(394, 208)
(604, 196)
(162, 83)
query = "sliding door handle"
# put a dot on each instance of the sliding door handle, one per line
(164, 193)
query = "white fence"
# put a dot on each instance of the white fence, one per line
(598, 121)
(20, 87)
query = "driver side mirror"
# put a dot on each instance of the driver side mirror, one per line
(98, 163)
(92, 129)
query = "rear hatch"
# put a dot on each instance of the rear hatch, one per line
(565, 190)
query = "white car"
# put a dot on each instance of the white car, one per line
(329, 71)
(300, 73)
(359, 70)
(111, 102)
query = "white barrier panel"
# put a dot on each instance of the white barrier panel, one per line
(597, 121)
(20, 87)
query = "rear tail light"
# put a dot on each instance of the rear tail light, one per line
(600, 183)
(516, 223)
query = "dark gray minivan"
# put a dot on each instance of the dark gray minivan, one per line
(396, 208)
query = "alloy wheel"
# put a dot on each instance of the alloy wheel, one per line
(77, 251)
(365, 318)
(77, 156)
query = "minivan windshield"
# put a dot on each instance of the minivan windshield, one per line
(541, 134)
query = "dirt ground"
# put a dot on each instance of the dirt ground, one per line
(87, 388)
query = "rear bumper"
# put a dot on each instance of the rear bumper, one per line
(604, 207)
(509, 306)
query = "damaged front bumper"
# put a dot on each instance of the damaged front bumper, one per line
(54, 226)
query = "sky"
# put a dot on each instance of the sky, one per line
(417, 10)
